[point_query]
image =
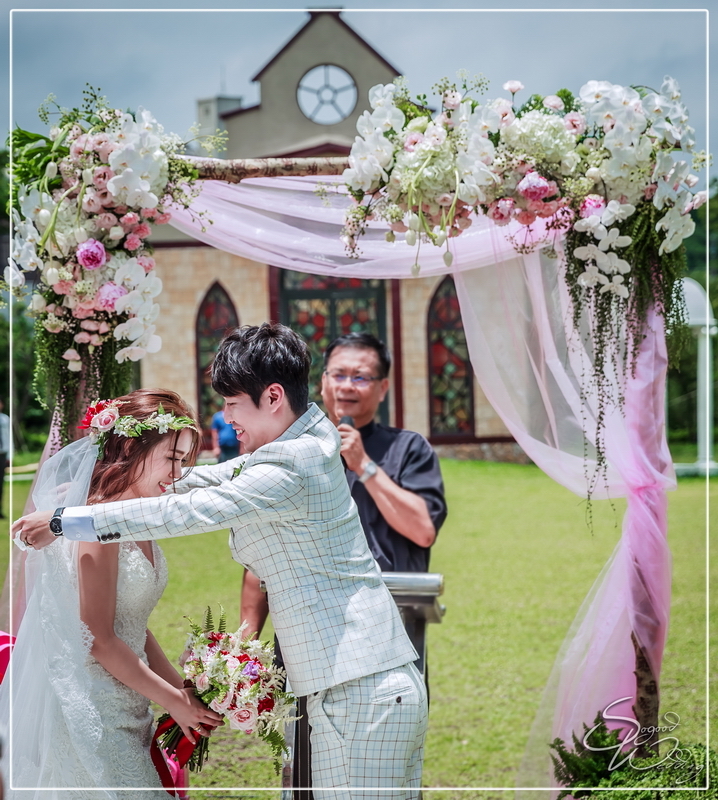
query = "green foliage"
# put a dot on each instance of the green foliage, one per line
(604, 764)
(583, 766)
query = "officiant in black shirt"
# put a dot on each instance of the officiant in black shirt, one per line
(393, 473)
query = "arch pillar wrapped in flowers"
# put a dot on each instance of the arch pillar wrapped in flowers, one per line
(565, 258)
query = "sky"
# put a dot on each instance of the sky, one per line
(167, 58)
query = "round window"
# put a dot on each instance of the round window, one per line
(327, 94)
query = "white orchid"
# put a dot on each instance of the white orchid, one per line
(388, 117)
(591, 277)
(592, 224)
(381, 95)
(613, 264)
(14, 278)
(616, 212)
(616, 286)
(614, 239)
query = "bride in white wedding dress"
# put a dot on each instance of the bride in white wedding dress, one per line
(76, 699)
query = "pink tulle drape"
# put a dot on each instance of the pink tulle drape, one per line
(532, 366)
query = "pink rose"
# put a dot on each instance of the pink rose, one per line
(105, 419)
(220, 705)
(500, 211)
(95, 340)
(202, 682)
(105, 197)
(545, 209)
(399, 227)
(513, 86)
(462, 223)
(526, 217)
(412, 140)
(91, 202)
(91, 254)
(593, 205)
(89, 325)
(535, 187)
(83, 310)
(104, 328)
(71, 355)
(143, 230)
(575, 122)
(108, 294)
(121, 209)
(445, 199)
(83, 337)
(100, 177)
(554, 102)
(133, 242)
(146, 262)
(63, 287)
(149, 213)
(452, 100)
(650, 190)
(106, 220)
(163, 219)
(243, 719)
(129, 220)
(80, 145)
(445, 120)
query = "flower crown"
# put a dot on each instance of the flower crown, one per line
(103, 417)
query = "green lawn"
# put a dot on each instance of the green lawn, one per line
(518, 559)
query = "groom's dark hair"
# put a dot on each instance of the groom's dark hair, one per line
(252, 357)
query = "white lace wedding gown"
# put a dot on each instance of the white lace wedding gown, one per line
(72, 726)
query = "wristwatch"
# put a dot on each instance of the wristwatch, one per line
(369, 472)
(56, 521)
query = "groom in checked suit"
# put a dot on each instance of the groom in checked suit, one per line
(295, 526)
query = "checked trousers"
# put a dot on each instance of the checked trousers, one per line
(368, 737)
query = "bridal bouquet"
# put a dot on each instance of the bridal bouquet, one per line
(86, 196)
(237, 677)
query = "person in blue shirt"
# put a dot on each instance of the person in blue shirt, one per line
(224, 439)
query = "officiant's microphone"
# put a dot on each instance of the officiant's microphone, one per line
(346, 421)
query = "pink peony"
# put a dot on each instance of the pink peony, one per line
(133, 242)
(143, 230)
(120, 209)
(513, 86)
(106, 220)
(545, 208)
(535, 187)
(146, 262)
(575, 122)
(163, 219)
(593, 205)
(108, 294)
(526, 217)
(91, 254)
(243, 719)
(500, 211)
(149, 213)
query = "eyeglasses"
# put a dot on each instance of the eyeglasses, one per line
(356, 380)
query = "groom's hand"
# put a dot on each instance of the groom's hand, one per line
(33, 530)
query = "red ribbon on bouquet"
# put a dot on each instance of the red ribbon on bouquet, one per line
(170, 765)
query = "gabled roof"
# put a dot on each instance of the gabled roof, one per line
(313, 15)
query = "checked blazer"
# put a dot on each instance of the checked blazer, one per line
(295, 525)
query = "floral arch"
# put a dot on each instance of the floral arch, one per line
(560, 222)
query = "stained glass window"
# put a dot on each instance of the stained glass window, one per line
(215, 317)
(451, 392)
(320, 308)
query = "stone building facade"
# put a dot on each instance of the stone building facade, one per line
(312, 92)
